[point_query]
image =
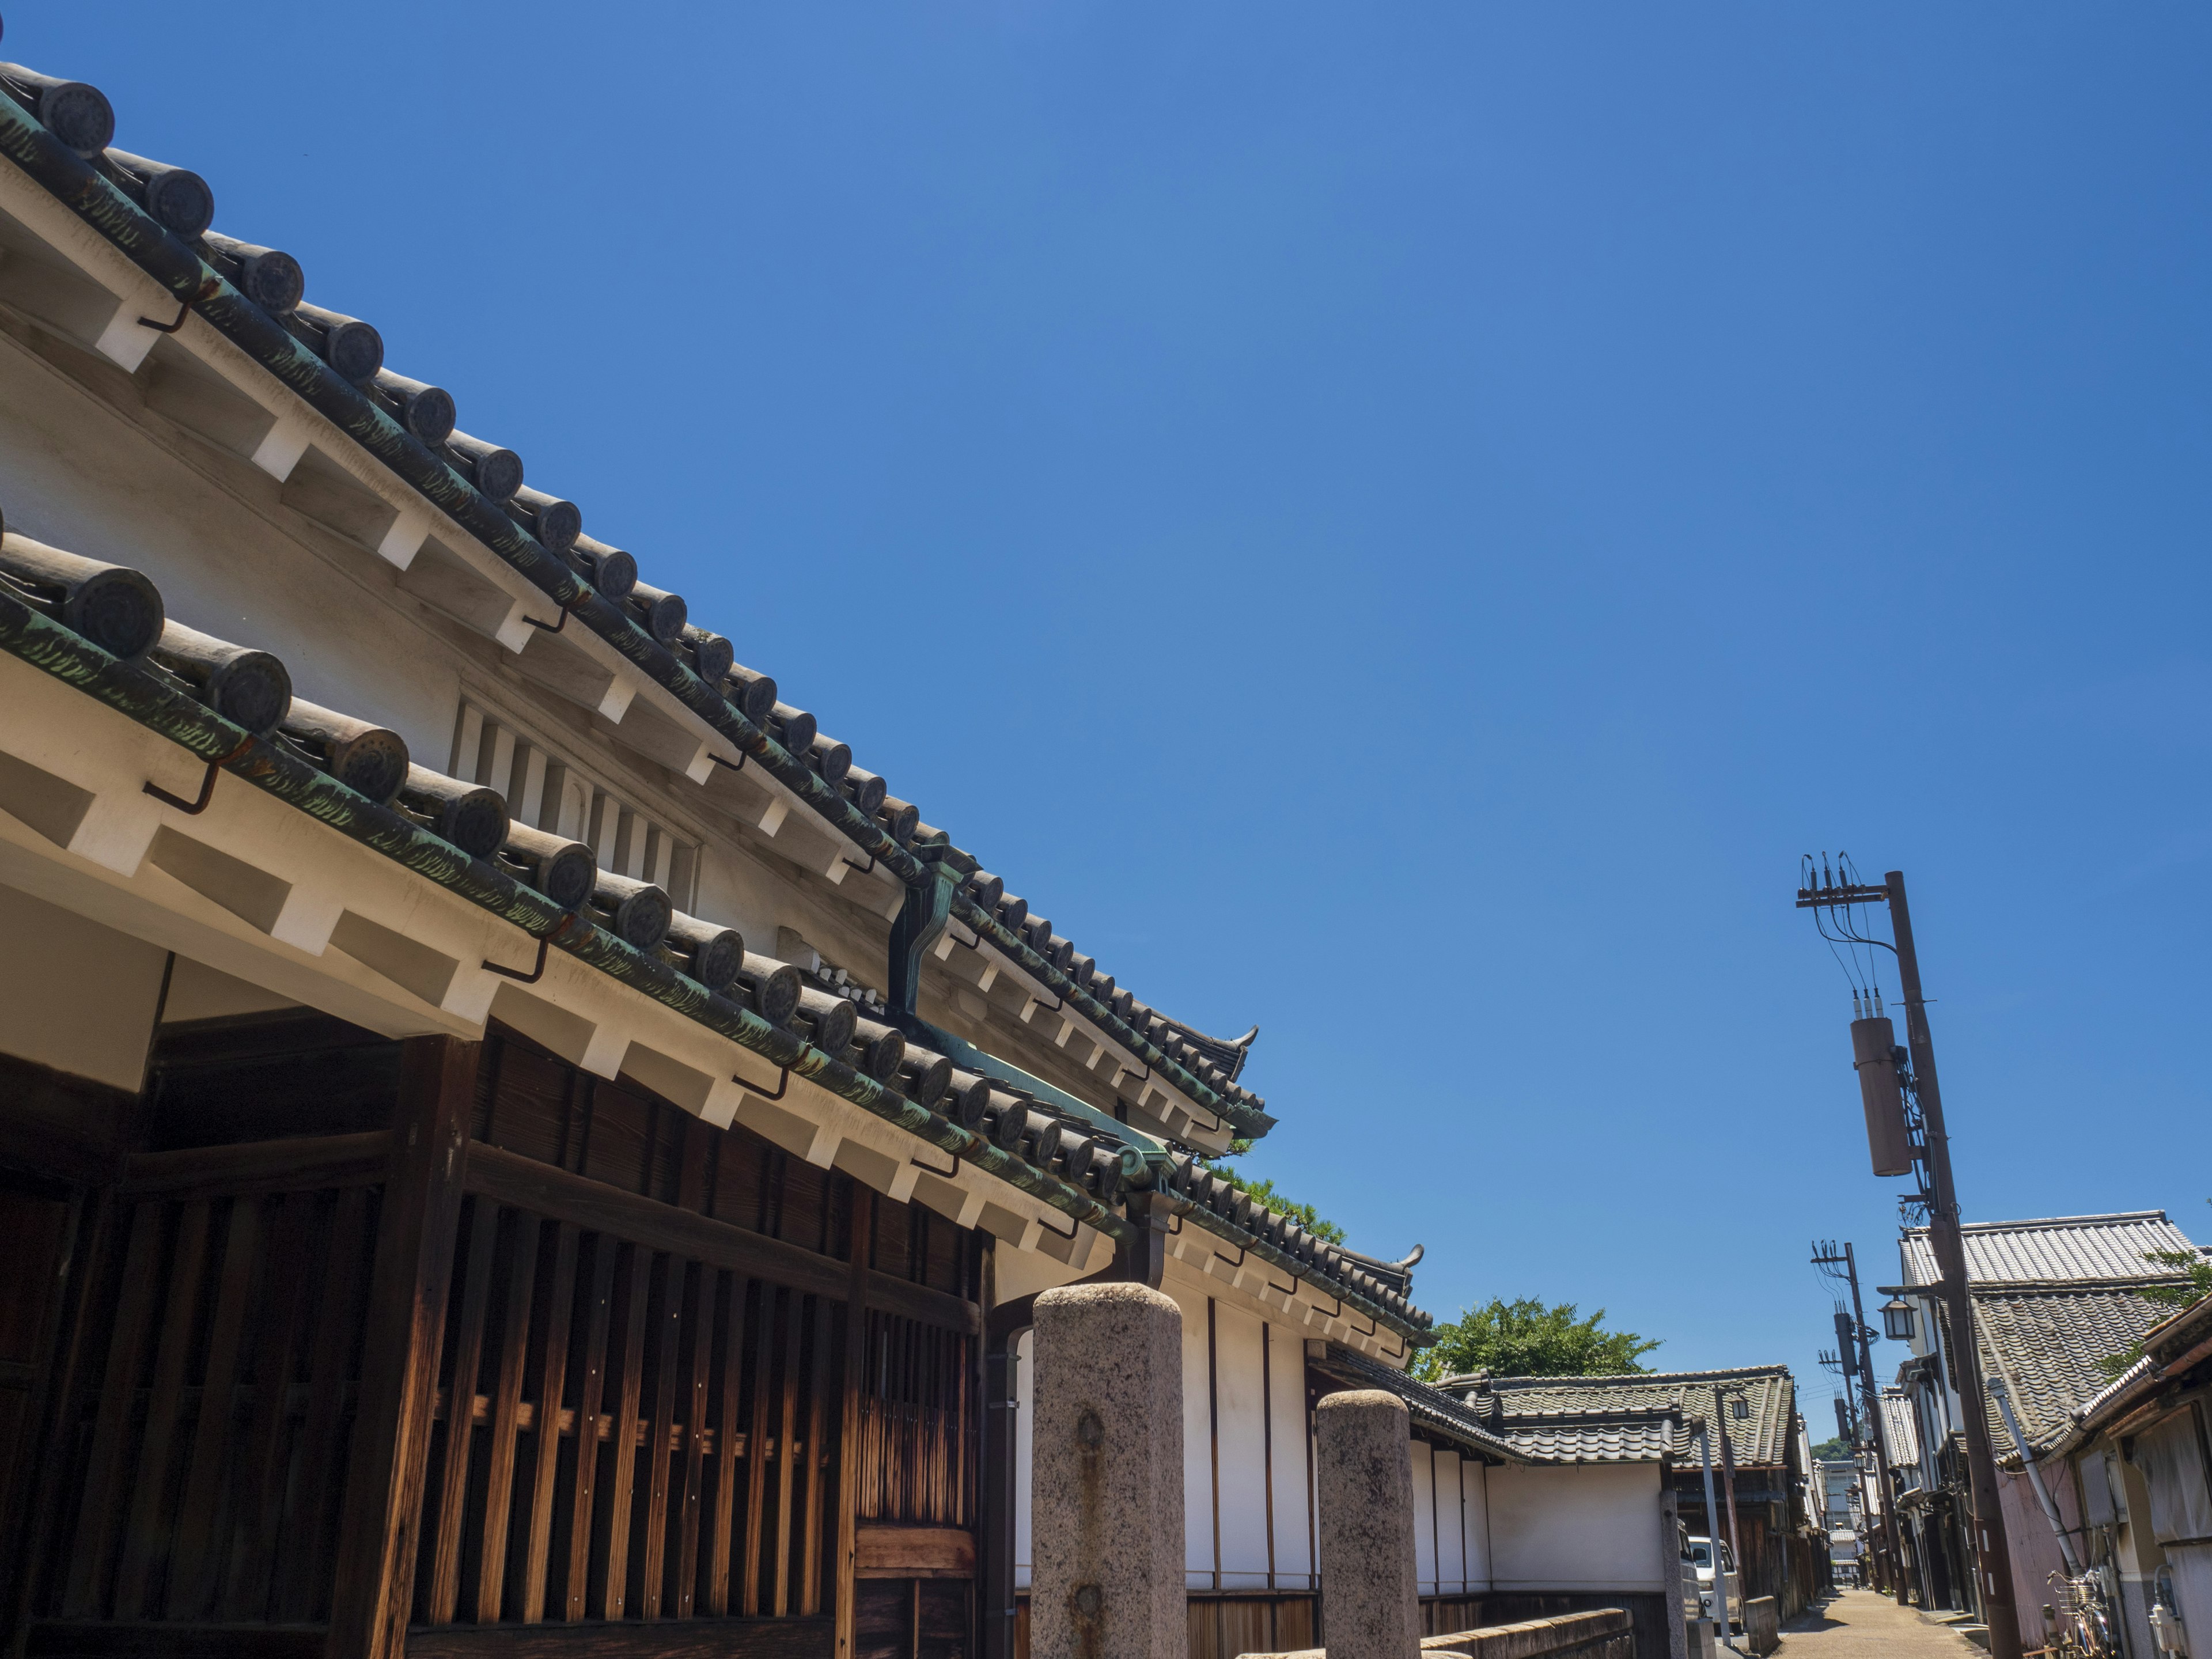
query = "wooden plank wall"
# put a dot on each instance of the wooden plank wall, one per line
(597, 1364)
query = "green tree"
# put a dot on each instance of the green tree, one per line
(1834, 1450)
(1304, 1214)
(1527, 1338)
(2176, 1297)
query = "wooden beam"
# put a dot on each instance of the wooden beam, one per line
(591, 1394)
(611, 1541)
(507, 1410)
(374, 1584)
(452, 1494)
(107, 1480)
(298, 1165)
(525, 1182)
(135, 1579)
(552, 1380)
(859, 1236)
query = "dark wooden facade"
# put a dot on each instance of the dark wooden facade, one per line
(332, 1344)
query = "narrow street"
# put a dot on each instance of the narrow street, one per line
(1860, 1622)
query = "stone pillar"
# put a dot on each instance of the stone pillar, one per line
(1106, 1476)
(1371, 1605)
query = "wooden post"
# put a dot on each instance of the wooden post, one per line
(375, 1587)
(859, 1237)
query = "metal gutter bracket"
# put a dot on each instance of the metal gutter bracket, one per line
(922, 919)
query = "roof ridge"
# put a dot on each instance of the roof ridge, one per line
(1991, 1290)
(2110, 1217)
(1776, 1370)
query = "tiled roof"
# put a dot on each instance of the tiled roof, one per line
(2058, 1250)
(1902, 1431)
(234, 708)
(1760, 1437)
(1594, 1436)
(2049, 1345)
(159, 215)
(1432, 1410)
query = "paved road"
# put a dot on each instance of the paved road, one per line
(1857, 1624)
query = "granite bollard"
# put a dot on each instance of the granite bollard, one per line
(1364, 1500)
(1106, 1578)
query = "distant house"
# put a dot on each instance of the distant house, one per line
(2055, 1299)
(1651, 1418)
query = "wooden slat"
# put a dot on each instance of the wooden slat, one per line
(726, 1448)
(198, 1560)
(299, 1164)
(525, 1182)
(552, 1381)
(148, 1529)
(452, 1494)
(375, 1581)
(690, 1494)
(321, 1433)
(915, 1553)
(652, 1580)
(614, 1539)
(756, 1437)
(591, 1394)
(506, 1411)
(697, 1638)
(861, 1230)
(787, 1456)
(817, 1394)
(98, 1227)
(262, 1459)
(106, 1482)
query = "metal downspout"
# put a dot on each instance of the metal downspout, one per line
(2003, 1396)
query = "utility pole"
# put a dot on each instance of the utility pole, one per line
(1993, 1558)
(1892, 1541)
(1723, 1405)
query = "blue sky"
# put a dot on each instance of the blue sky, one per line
(1399, 528)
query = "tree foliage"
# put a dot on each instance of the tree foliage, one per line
(1834, 1450)
(1527, 1338)
(1304, 1214)
(2176, 1297)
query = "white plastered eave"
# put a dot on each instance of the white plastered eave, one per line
(1207, 1265)
(498, 601)
(983, 968)
(264, 893)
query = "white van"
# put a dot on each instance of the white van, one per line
(1698, 1560)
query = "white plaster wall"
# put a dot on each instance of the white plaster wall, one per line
(1294, 1540)
(199, 992)
(1425, 1517)
(1474, 1494)
(1587, 1527)
(1198, 1558)
(74, 995)
(1241, 1419)
(1450, 1525)
(231, 559)
(77, 475)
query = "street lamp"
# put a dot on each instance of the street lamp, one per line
(1897, 1319)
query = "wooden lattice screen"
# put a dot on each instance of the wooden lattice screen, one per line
(657, 1350)
(690, 1464)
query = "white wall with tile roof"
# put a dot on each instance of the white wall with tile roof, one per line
(1590, 1526)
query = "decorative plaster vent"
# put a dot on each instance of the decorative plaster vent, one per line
(554, 796)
